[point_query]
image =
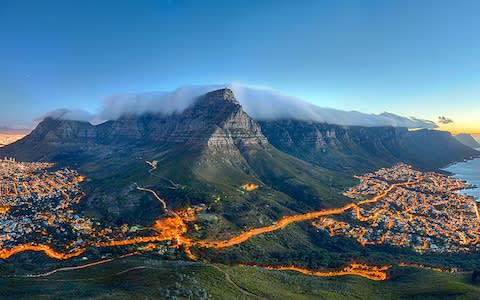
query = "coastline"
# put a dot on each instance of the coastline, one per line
(466, 172)
(465, 160)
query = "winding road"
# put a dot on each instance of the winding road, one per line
(287, 220)
(164, 203)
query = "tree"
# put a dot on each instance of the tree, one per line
(476, 276)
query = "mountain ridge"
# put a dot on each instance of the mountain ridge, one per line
(218, 122)
(214, 146)
(467, 140)
(361, 149)
(260, 103)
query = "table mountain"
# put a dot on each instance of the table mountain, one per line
(209, 150)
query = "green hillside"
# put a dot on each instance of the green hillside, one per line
(147, 278)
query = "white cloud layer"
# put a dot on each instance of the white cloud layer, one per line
(259, 102)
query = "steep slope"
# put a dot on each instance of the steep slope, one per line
(467, 140)
(358, 149)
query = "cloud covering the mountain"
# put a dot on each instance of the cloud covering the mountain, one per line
(259, 102)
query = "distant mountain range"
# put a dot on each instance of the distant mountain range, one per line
(468, 140)
(8, 135)
(364, 148)
(8, 130)
(213, 146)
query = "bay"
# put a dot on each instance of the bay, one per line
(470, 172)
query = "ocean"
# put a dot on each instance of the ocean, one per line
(470, 172)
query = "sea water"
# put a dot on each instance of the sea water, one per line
(470, 172)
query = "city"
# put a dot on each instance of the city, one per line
(424, 212)
(36, 210)
(37, 213)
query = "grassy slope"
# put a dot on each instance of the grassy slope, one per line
(287, 186)
(310, 185)
(152, 278)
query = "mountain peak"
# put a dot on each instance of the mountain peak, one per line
(219, 115)
(224, 94)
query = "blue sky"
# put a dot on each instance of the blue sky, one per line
(419, 58)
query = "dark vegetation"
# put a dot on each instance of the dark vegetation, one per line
(147, 278)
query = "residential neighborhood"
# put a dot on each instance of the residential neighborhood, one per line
(425, 212)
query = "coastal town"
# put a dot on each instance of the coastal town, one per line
(36, 207)
(38, 213)
(424, 211)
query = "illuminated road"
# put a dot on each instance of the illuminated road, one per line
(377, 273)
(7, 253)
(174, 228)
(285, 221)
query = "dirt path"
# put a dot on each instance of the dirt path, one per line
(239, 288)
(73, 268)
(173, 185)
(164, 203)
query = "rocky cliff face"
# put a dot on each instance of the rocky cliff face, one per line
(216, 124)
(364, 148)
(215, 119)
